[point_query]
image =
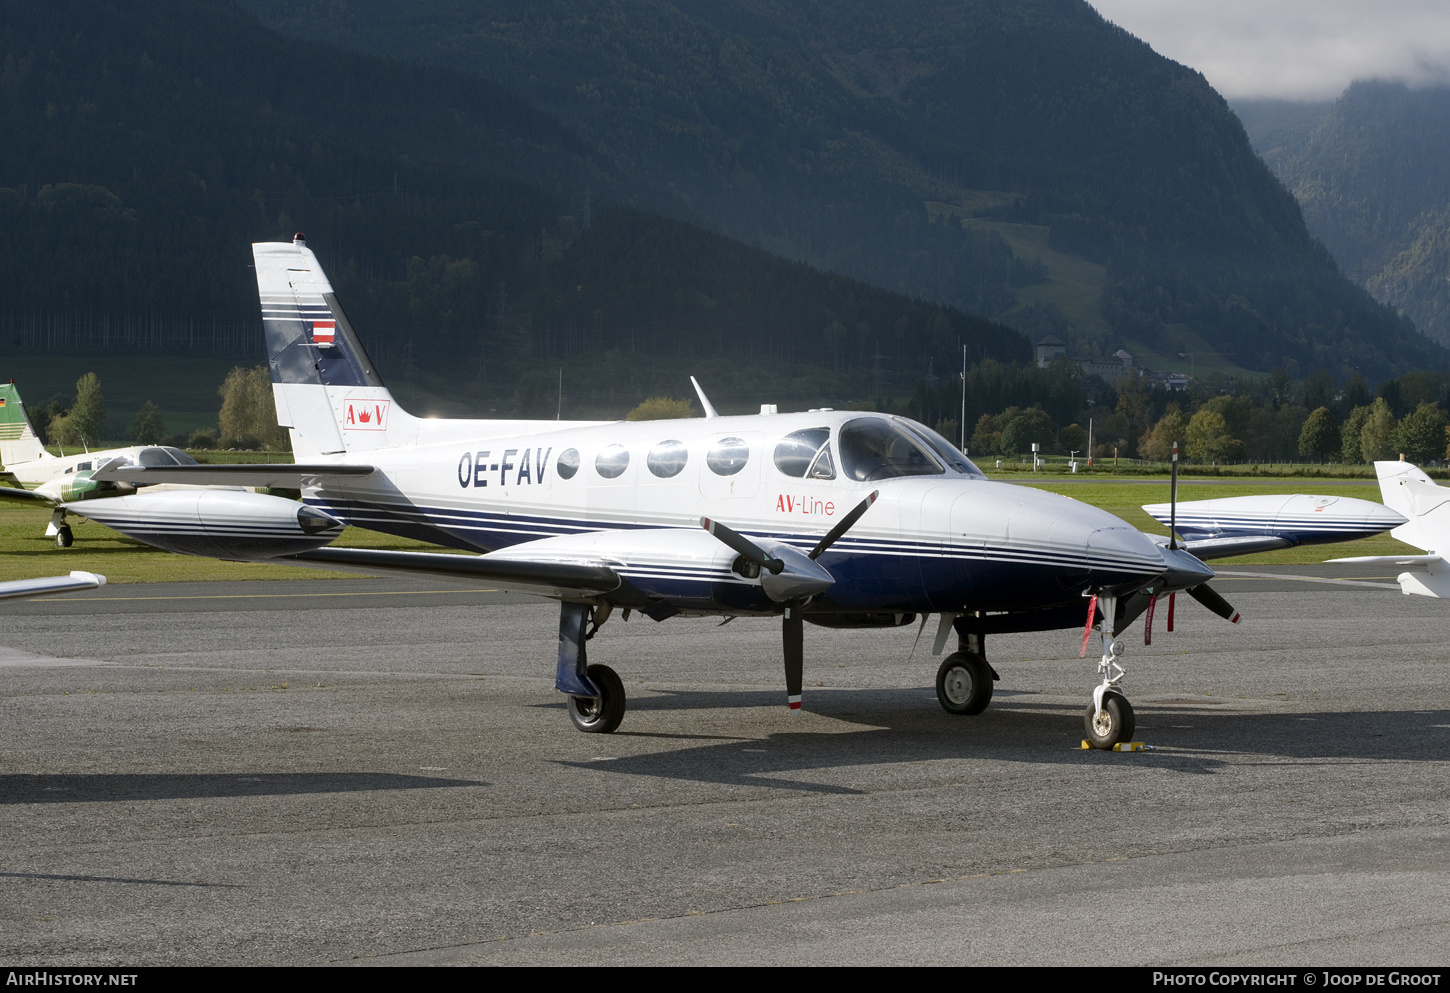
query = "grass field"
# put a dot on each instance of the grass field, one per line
(26, 553)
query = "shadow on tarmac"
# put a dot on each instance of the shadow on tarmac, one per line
(100, 788)
(902, 726)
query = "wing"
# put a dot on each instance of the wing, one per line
(276, 474)
(1219, 548)
(76, 581)
(561, 580)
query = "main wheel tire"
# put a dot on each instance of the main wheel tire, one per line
(1114, 727)
(602, 715)
(964, 684)
(63, 537)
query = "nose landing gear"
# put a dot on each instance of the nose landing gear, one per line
(1109, 719)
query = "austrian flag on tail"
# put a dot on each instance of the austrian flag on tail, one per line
(322, 331)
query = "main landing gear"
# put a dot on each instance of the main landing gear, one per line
(964, 679)
(59, 529)
(595, 692)
(1109, 719)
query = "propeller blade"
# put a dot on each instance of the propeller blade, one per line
(794, 636)
(844, 525)
(1210, 599)
(751, 551)
(1173, 502)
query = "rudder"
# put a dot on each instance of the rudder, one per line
(326, 390)
(18, 440)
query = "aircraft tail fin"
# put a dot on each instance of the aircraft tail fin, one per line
(1408, 491)
(325, 387)
(18, 440)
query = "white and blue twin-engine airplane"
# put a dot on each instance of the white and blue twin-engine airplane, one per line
(843, 519)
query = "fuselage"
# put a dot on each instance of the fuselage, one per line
(941, 536)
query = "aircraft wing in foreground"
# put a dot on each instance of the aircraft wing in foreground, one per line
(18, 589)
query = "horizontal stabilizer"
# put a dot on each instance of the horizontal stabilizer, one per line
(277, 474)
(74, 583)
(1391, 559)
(558, 579)
(29, 496)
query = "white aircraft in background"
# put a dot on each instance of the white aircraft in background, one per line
(229, 519)
(1426, 507)
(1238, 525)
(618, 516)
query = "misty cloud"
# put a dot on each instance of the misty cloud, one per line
(1294, 49)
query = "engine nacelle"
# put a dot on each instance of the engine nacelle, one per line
(226, 524)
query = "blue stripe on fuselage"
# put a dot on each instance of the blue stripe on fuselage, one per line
(871, 573)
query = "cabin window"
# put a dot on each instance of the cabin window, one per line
(83, 467)
(806, 454)
(612, 462)
(727, 456)
(667, 459)
(874, 448)
(568, 463)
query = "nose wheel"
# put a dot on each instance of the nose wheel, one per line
(1111, 725)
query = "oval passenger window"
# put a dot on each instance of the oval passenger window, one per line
(612, 462)
(727, 456)
(667, 459)
(568, 463)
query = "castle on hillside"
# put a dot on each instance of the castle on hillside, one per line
(1112, 368)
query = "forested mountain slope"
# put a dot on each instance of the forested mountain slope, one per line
(146, 145)
(822, 129)
(1373, 177)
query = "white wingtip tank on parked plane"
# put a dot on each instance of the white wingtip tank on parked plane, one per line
(222, 521)
(843, 519)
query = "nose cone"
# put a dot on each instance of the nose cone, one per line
(1182, 570)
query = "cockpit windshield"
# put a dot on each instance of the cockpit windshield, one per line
(948, 452)
(872, 448)
(160, 457)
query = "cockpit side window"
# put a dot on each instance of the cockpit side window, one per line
(872, 448)
(181, 457)
(944, 449)
(806, 454)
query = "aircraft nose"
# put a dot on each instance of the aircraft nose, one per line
(1118, 553)
(1184, 570)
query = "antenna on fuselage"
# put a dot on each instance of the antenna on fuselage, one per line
(704, 400)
